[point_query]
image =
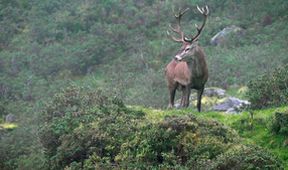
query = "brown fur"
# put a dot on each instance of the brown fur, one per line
(189, 73)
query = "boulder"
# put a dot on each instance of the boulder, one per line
(208, 92)
(214, 92)
(221, 37)
(231, 105)
(10, 118)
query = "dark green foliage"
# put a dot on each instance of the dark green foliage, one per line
(270, 89)
(3, 110)
(279, 123)
(178, 141)
(80, 123)
(89, 130)
(246, 157)
(47, 41)
(21, 149)
(249, 123)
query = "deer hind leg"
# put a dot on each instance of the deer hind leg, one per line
(199, 97)
(183, 96)
(172, 91)
(187, 91)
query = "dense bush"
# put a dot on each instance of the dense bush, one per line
(20, 149)
(85, 129)
(188, 142)
(177, 141)
(279, 124)
(79, 124)
(89, 130)
(246, 157)
(270, 89)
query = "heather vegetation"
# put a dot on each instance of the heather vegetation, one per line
(84, 83)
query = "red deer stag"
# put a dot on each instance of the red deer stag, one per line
(188, 69)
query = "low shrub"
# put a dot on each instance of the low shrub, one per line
(187, 142)
(246, 157)
(88, 130)
(270, 89)
(79, 124)
(279, 123)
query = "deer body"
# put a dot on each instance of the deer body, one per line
(193, 72)
(188, 70)
(186, 75)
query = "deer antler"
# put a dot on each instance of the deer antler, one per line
(204, 12)
(178, 27)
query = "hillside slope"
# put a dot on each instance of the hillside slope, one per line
(116, 45)
(83, 129)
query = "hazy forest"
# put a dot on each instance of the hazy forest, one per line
(82, 85)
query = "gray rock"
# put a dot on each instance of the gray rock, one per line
(222, 102)
(177, 105)
(10, 118)
(209, 92)
(221, 37)
(231, 105)
(214, 92)
(231, 111)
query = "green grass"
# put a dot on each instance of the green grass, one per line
(253, 131)
(8, 126)
(239, 92)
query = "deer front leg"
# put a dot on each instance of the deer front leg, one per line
(199, 97)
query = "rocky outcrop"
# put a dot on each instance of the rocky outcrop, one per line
(221, 37)
(214, 92)
(231, 105)
(10, 118)
(216, 99)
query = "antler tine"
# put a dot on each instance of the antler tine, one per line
(207, 10)
(178, 27)
(173, 38)
(181, 13)
(199, 9)
(204, 12)
(176, 31)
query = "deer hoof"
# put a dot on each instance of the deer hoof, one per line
(170, 106)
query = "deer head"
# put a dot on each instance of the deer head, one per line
(188, 43)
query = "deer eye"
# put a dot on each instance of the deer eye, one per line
(187, 49)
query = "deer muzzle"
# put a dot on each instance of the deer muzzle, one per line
(178, 58)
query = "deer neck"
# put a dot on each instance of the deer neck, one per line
(198, 64)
